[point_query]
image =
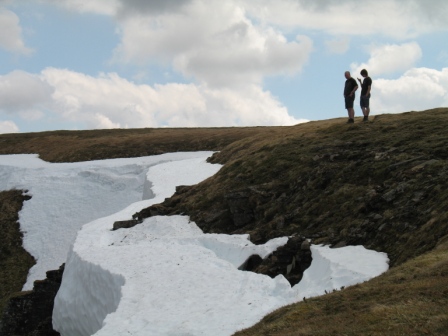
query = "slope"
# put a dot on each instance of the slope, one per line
(382, 184)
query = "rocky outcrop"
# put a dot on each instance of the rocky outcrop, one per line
(375, 184)
(243, 209)
(30, 313)
(291, 260)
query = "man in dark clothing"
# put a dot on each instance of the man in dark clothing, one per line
(364, 100)
(349, 95)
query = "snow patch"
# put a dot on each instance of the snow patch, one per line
(332, 269)
(65, 196)
(163, 276)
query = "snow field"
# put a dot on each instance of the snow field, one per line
(161, 277)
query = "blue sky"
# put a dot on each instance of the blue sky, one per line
(75, 64)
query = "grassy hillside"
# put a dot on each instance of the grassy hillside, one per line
(382, 184)
(73, 146)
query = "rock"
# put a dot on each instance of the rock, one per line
(240, 208)
(377, 217)
(153, 210)
(340, 244)
(423, 165)
(252, 263)
(30, 313)
(418, 196)
(305, 245)
(182, 189)
(280, 223)
(290, 260)
(333, 156)
(390, 196)
(126, 224)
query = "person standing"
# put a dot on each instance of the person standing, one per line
(349, 94)
(364, 100)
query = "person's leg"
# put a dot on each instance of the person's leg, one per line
(367, 107)
(351, 113)
(349, 106)
(364, 102)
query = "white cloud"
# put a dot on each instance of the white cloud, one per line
(238, 63)
(104, 7)
(109, 101)
(389, 58)
(11, 33)
(213, 42)
(24, 94)
(138, 7)
(393, 18)
(8, 127)
(338, 46)
(417, 89)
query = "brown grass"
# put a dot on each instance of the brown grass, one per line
(72, 146)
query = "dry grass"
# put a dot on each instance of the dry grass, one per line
(72, 146)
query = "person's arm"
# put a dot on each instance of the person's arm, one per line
(369, 86)
(354, 89)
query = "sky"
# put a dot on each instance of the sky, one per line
(163, 276)
(74, 64)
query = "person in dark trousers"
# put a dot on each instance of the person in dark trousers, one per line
(349, 94)
(364, 100)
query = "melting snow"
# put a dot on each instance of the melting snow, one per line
(161, 277)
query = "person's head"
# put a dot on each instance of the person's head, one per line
(347, 74)
(364, 73)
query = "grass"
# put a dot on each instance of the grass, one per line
(382, 184)
(14, 260)
(73, 146)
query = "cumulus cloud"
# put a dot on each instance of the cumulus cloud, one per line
(416, 89)
(390, 58)
(109, 101)
(11, 33)
(24, 94)
(392, 18)
(213, 42)
(139, 7)
(8, 127)
(104, 7)
(227, 49)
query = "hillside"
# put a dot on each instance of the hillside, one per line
(382, 184)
